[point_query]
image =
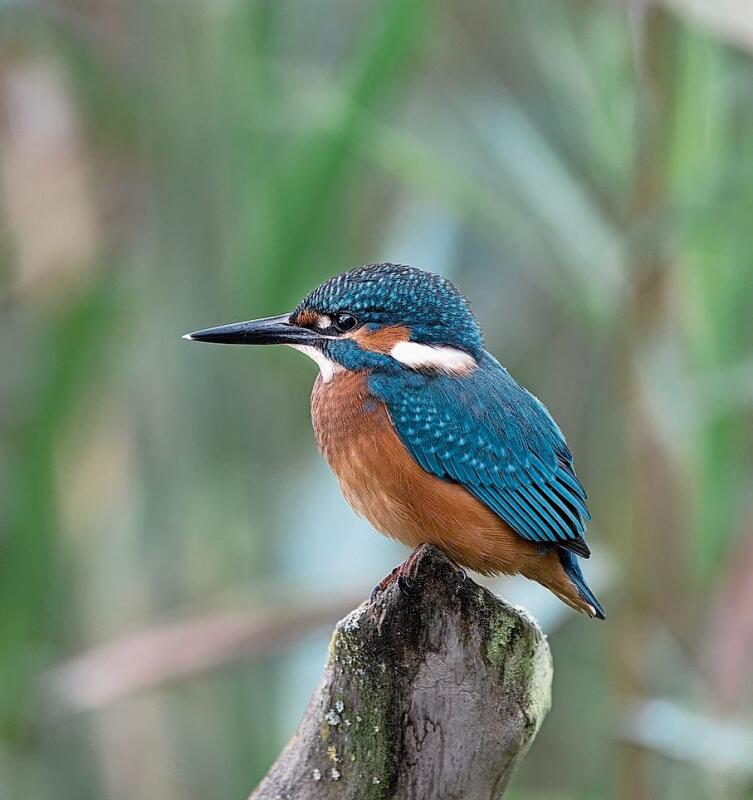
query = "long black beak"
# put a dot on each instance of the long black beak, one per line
(271, 330)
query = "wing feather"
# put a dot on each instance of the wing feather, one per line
(487, 433)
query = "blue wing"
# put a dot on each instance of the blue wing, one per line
(487, 433)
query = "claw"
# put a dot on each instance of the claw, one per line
(385, 583)
(403, 575)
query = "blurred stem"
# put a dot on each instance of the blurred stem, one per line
(311, 192)
(645, 314)
(32, 582)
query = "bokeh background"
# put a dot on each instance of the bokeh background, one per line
(173, 553)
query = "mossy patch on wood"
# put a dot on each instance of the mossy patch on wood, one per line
(433, 693)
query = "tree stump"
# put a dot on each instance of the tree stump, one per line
(430, 694)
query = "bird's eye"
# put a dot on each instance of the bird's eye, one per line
(345, 322)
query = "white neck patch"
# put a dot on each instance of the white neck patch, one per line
(443, 359)
(327, 366)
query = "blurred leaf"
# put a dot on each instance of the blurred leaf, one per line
(731, 19)
(586, 243)
(310, 189)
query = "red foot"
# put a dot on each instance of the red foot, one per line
(402, 574)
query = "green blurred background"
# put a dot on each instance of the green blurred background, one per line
(173, 552)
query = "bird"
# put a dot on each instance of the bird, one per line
(430, 437)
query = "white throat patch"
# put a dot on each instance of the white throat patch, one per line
(443, 359)
(327, 366)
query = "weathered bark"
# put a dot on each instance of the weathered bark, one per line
(436, 693)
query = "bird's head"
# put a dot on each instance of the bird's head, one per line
(381, 316)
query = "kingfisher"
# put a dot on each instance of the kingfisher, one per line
(430, 437)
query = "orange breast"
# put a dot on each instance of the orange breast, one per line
(384, 484)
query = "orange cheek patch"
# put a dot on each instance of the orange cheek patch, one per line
(307, 319)
(382, 340)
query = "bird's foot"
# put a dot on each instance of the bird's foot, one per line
(405, 573)
(462, 575)
(402, 575)
(384, 584)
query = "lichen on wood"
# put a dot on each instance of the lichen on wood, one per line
(436, 693)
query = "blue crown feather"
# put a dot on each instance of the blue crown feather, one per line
(394, 294)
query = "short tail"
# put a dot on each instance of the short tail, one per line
(572, 570)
